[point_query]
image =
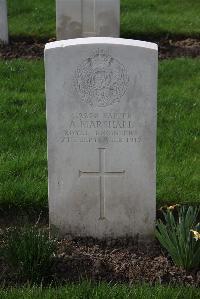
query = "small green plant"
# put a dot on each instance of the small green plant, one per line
(29, 252)
(181, 237)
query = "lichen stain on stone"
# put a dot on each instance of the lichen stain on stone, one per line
(104, 21)
(69, 28)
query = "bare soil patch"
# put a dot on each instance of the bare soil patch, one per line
(171, 48)
(121, 261)
(168, 48)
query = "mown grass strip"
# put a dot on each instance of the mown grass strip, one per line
(23, 161)
(138, 18)
(102, 291)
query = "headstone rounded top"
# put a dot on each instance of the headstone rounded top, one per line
(101, 40)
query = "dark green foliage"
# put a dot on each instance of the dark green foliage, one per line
(29, 252)
(177, 236)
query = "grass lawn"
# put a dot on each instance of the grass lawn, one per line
(23, 170)
(138, 18)
(102, 291)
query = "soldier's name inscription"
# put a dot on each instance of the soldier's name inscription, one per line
(100, 128)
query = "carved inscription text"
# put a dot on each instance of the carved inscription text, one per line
(101, 128)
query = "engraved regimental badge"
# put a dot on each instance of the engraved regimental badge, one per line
(101, 80)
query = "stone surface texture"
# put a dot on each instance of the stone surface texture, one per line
(3, 22)
(86, 18)
(101, 120)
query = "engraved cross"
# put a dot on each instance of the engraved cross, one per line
(101, 174)
(89, 17)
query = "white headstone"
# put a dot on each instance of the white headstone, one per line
(3, 22)
(101, 119)
(85, 18)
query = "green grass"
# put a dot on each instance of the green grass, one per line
(32, 18)
(102, 291)
(178, 155)
(138, 18)
(23, 165)
(23, 174)
(159, 17)
(29, 252)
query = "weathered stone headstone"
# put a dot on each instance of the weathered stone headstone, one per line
(101, 119)
(3, 22)
(85, 18)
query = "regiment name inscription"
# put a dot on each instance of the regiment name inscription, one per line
(100, 127)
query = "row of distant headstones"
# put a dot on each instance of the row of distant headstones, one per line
(77, 18)
(3, 22)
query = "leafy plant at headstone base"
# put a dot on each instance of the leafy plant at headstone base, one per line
(181, 236)
(30, 251)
